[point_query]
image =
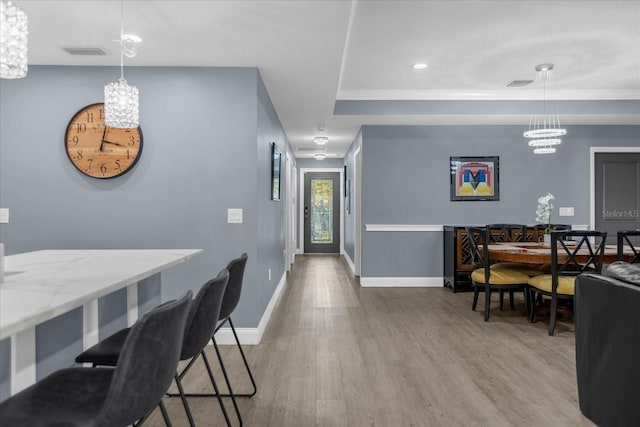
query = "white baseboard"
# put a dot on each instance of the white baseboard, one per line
(351, 266)
(253, 336)
(401, 282)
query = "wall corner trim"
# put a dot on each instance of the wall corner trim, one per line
(349, 262)
(401, 282)
(252, 336)
(402, 227)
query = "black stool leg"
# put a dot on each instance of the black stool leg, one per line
(215, 387)
(184, 401)
(165, 414)
(226, 379)
(246, 364)
(244, 360)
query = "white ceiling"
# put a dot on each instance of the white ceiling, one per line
(312, 53)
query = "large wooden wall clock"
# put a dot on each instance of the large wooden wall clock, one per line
(100, 151)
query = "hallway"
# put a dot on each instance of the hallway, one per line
(336, 354)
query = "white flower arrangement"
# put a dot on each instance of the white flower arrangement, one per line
(543, 211)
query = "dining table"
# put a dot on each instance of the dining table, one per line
(538, 253)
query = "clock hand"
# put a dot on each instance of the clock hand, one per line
(104, 130)
(114, 143)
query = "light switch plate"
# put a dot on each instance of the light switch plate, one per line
(234, 216)
(566, 211)
(4, 215)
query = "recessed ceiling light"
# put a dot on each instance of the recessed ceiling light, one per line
(319, 156)
(132, 37)
(321, 140)
(419, 66)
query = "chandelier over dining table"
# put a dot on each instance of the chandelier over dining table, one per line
(544, 128)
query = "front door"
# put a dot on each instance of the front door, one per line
(617, 193)
(322, 212)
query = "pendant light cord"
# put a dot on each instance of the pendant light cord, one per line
(121, 40)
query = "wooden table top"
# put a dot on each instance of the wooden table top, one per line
(540, 253)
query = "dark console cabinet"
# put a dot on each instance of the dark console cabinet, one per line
(457, 258)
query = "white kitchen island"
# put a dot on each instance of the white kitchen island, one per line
(41, 285)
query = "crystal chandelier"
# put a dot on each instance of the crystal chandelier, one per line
(121, 100)
(13, 41)
(544, 129)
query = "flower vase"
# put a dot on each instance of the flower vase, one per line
(546, 239)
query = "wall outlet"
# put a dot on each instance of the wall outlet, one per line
(4, 215)
(566, 211)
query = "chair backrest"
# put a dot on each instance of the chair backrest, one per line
(539, 229)
(203, 316)
(507, 232)
(629, 239)
(234, 287)
(478, 237)
(147, 364)
(576, 252)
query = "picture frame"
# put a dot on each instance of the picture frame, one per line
(348, 196)
(276, 162)
(344, 178)
(474, 178)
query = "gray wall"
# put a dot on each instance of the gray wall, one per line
(405, 180)
(270, 223)
(206, 136)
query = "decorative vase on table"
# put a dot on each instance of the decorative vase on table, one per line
(546, 238)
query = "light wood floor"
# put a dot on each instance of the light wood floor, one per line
(335, 354)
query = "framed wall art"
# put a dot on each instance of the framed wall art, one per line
(474, 178)
(276, 156)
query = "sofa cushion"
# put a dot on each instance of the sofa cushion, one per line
(624, 271)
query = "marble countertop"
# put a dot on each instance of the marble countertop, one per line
(43, 284)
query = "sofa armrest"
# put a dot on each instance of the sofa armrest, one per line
(607, 325)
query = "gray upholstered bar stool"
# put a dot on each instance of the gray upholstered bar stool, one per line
(109, 397)
(230, 301)
(200, 325)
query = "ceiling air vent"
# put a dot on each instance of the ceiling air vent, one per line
(84, 50)
(314, 149)
(520, 83)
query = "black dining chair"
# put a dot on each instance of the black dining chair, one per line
(506, 233)
(487, 279)
(199, 327)
(629, 240)
(108, 397)
(572, 253)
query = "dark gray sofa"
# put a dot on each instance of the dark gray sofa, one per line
(607, 325)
